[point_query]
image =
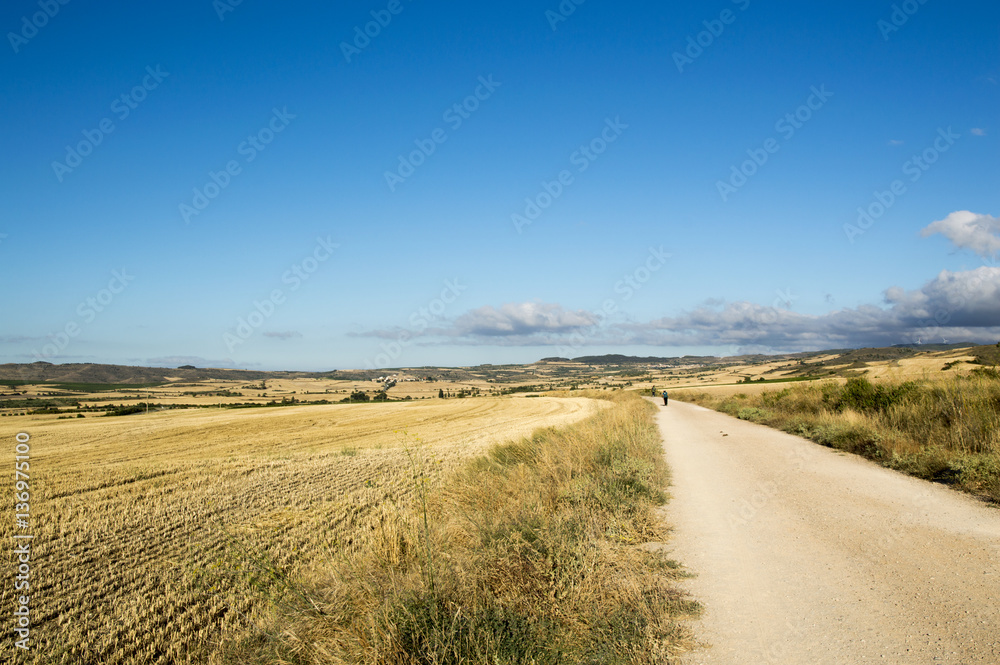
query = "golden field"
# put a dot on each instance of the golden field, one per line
(213, 392)
(143, 525)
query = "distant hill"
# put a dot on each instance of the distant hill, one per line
(844, 355)
(43, 372)
(618, 359)
(986, 355)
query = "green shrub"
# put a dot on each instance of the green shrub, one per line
(773, 399)
(863, 396)
(753, 414)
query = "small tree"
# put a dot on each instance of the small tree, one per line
(440, 393)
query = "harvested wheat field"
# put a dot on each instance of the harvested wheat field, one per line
(148, 528)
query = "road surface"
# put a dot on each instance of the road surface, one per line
(807, 556)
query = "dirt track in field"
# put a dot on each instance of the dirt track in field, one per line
(807, 556)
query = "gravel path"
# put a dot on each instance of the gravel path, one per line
(804, 555)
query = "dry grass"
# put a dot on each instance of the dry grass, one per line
(140, 521)
(945, 429)
(528, 554)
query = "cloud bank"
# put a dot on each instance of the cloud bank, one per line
(522, 319)
(951, 307)
(954, 307)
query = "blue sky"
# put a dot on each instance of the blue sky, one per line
(266, 186)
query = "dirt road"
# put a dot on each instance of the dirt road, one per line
(806, 556)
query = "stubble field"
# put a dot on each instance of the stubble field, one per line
(156, 536)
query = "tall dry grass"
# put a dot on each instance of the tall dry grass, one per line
(946, 430)
(528, 554)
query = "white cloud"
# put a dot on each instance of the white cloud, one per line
(968, 230)
(512, 324)
(197, 361)
(18, 339)
(522, 319)
(283, 335)
(895, 142)
(977, 131)
(962, 306)
(954, 306)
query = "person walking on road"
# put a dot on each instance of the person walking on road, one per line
(664, 398)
